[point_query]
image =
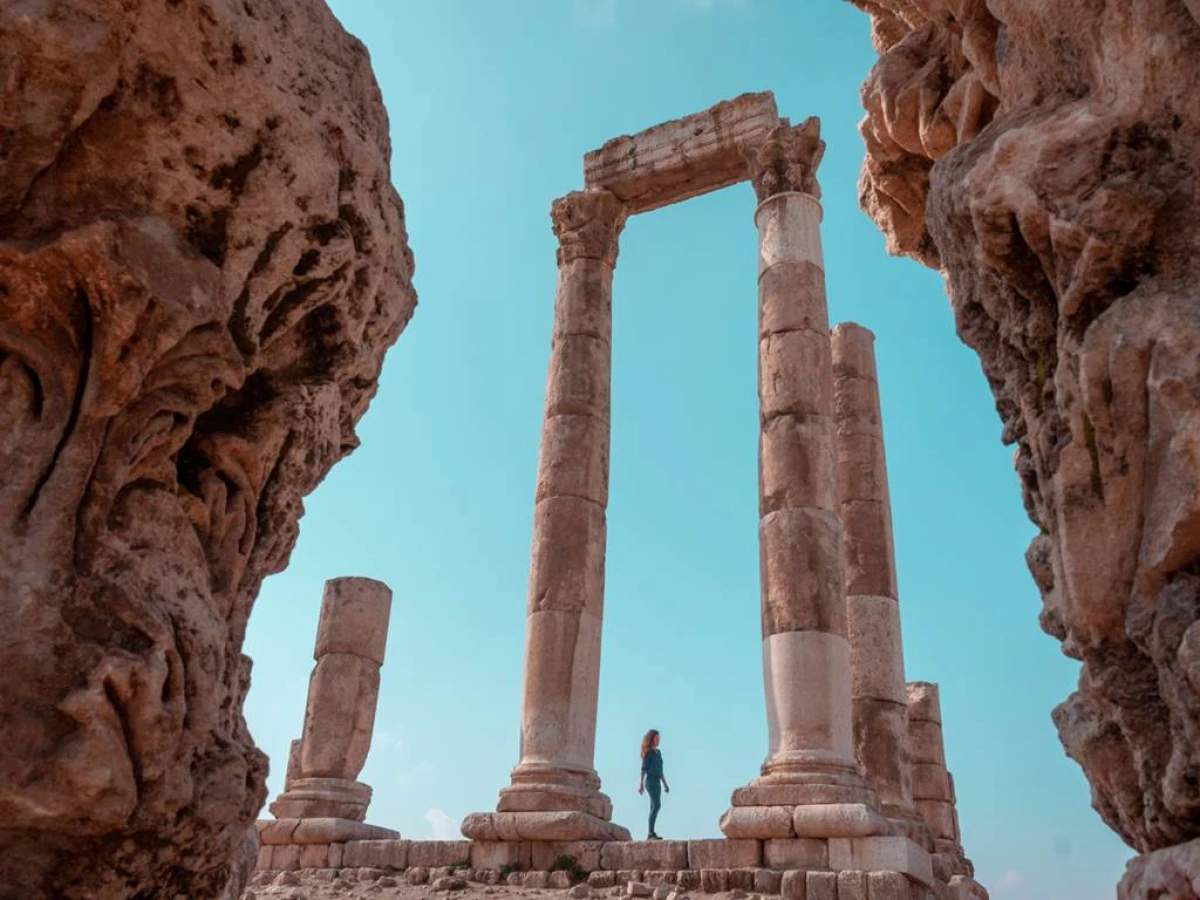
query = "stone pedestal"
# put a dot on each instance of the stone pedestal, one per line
(555, 791)
(879, 698)
(811, 785)
(323, 766)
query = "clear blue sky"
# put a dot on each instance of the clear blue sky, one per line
(492, 106)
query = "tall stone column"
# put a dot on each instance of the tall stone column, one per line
(810, 785)
(879, 698)
(343, 691)
(555, 791)
(933, 786)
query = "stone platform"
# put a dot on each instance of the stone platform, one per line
(709, 865)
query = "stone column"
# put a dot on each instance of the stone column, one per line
(880, 702)
(555, 792)
(324, 764)
(810, 785)
(933, 786)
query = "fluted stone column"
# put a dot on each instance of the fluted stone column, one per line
(343, 691)
(880, 701)
(810, 785)
(933, 786)
(555, 792)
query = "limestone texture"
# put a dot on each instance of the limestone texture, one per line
(202, 263)
(1044, 157)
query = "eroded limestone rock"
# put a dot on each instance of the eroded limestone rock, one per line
(202, 262)
(1043, 156)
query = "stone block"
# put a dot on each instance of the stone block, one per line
(757, 822)
(602, 879)
(687, 880)
(286, 857)
(796, 463)
(841, 854)
(800, 795)
(574, 459)
(794, 375)
(924, 702)
(887, 886)
(417, 875)
(263, 863)
(741, 879)
(767, 882)
(326, 830)
(671, 855)
(925, 741)
(870, 557)
(931, 782)
(354, 618)
(498, 854)
(794, 885)
(314, 856)
(638, 889)
(852, 886)
(862, 473)
(376, 854)
(821, 885)
(724, 854)
(624, 876)
(438, 853)
(939, 816)
(276, 831)
(544, 854)
(579, 382)
(838, 820)
(714, 881)
(336, 854)
(800, 562)
(537, 879)
(682, 158)
(885, 854)
(881, 746)
(436, 872)
(559, 880)
(796, 853)
(791, 297)
(873, 625)
(789, 232)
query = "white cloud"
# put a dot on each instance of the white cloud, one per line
(442, 826)
(414, 774)
(594, 13)
(1010, 880)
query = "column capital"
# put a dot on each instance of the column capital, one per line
(587, 224)
(786, 160)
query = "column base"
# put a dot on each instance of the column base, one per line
(805, 796)
(323, 798)
(907, 821)
(541, 826)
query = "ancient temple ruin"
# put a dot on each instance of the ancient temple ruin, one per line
(854, 790)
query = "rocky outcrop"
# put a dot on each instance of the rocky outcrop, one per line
(1044, 156)
(202, 262)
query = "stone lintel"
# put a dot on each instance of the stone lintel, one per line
(682, 158)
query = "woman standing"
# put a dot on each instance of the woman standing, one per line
(652, 777)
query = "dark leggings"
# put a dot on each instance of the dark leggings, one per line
(654, 789)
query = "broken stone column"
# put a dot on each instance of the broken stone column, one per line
(810, 784)
(879, 698)
(555, 791)
(343, 691)
(933, 786)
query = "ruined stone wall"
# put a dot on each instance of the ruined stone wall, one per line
(202, 262)
(1043, 155)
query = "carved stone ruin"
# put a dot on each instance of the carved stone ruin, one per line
(1043, 156)
(322, 789)
(202, 262)
(838, 791)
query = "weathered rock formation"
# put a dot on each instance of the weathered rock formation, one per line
(1043, 156)
(202, 262)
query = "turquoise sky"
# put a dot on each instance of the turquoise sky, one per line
(493, 105)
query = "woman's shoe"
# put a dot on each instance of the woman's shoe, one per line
(653, 837)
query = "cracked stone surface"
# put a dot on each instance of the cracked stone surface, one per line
(1044, 157)
(202, 263)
